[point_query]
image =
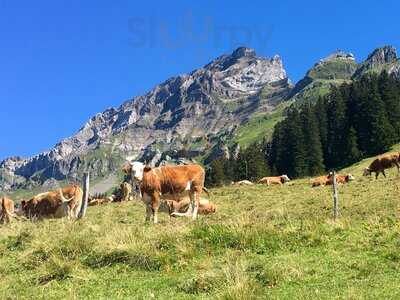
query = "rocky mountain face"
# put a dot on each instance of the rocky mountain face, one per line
(189, 113)
(380, 59)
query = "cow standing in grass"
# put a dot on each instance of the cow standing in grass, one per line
(65, 202)
(172, 182)
(380, 164)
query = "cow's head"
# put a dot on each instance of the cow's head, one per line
(285, 178)
(20, 208)
(127, 168)
(367, 172)
(349, 177)
(137, 169)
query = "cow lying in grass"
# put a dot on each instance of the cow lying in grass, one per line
(328, 179)
(242, 182)
(6, 210)
(380, 164)
(99, 199)
(274, 180)
(340, 179)
(169, 182)
(320, 181)
(173, 206)
(65, 202)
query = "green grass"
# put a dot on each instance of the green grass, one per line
(263, 243)
(259, 127)
(334, 69)
(316, 89)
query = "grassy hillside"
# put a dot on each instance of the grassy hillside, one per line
(260, 126)
(264, 242)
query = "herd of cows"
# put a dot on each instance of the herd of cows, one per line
(176, 190)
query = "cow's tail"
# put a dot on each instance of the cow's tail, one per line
(206, 191)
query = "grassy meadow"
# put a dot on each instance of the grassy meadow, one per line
(276, 242)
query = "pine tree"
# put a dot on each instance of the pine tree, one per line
(216, 175)
(322, 118)
(256, 162)
(337, 123)
(295, 150)
(277, 149)
(390, 95)
(229, 168)
(378, 132)
(352, 152)
(313, 145)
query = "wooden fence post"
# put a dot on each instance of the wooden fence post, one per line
(335, 197)
(85, 200)
(134, 186)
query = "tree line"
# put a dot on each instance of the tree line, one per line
(353, 121)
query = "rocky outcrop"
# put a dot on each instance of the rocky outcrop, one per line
(380, 59)
(191, 109)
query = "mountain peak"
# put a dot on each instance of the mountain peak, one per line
(243, 52)
(384, 58)
(383, 55)
(338, 54)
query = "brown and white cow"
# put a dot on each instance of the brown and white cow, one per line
(172, 206)
(274, 180)
(65, 202)
(170, 182)
(380, 164)
(6, 210)
(321, 180)
(340, 179)
(242, 182)
(100, 199)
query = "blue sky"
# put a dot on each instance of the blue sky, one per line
(64, 61)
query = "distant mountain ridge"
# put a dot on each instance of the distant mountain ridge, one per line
(191, 115)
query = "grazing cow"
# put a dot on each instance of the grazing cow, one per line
(66, 202)
(381, 163)
(242, 182)
(100, 199)
(274, 180)
(321, 180)
(171, 182)
(6, 210)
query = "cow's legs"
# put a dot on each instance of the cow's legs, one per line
(155, 204)
(383, 172)
(148, 212)
(398, 168)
